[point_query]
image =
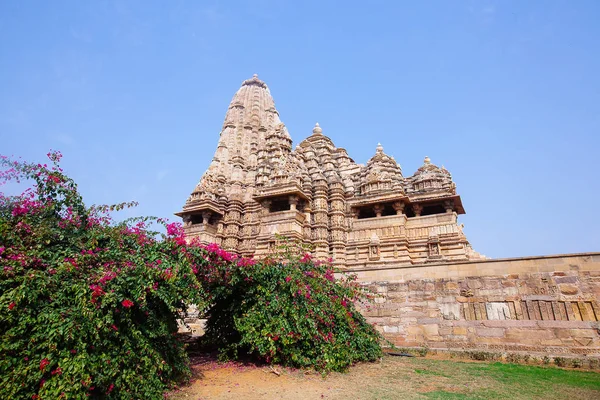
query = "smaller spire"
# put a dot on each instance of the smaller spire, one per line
(427, 160)
(379, 148)
(254, 81)
(317, 129)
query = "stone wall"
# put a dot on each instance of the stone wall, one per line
(548, 305)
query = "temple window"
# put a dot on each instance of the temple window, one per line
(385, 209)
(433, 209)
(196, 219)
(388, 209)
(279, 205)
(366, 212)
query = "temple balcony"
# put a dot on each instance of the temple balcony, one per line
(196, 229)
(283, 222)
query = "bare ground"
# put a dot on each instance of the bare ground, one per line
(391, 378)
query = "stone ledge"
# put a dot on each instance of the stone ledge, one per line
(594, 258)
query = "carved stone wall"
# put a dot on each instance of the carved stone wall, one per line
(549, 305)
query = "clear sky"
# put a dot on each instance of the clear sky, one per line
(504, 94)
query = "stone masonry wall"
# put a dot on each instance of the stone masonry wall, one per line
(548, 305)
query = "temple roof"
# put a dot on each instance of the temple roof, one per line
(430, 180)
(254, 157)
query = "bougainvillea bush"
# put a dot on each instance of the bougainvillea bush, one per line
(87, 307)
(287, 310)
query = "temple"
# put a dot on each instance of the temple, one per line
(258, 187)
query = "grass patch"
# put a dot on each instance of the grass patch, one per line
(442, 395)
(429, 372)
(515, 374)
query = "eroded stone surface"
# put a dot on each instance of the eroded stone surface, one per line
(539, 318)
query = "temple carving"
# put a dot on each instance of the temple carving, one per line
(258, 187)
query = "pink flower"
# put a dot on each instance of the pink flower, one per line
(108, 276)
(53, 178)
(307, 257)
(287, 279)
(96, 292)
(329, 275)
(114, 327)
(44, 363)
(54, 155)
(127, 303)
(11, 305)
(110, 388)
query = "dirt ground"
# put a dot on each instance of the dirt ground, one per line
(391, 378)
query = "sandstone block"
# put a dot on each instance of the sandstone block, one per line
(431, 330)
(390, 329)
(576, 333)
(533, 336)
(445, 330)
(459, 330)
(510, 323)
(566, 279)
(568, 289)
(414, 330)
(428, 321)
(490, 332)
(474, 283)
(563, 324)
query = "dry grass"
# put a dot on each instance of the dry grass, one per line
(392, 378)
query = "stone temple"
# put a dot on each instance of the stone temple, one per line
(398, 234)
(257, 186)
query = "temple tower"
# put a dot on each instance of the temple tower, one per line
(359, 215)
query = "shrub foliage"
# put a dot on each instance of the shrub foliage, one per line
(89, 307)
(292, 311)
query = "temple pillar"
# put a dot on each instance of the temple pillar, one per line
(265, 206)
(206, 217)
(321, 224)
(293, 200)
(399, 207)
(417, 209)
(378, 208)
(337, 219)
(449, 206)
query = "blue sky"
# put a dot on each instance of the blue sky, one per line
(504, 94)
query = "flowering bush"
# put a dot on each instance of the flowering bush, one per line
(87, 307)
(292, 311)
